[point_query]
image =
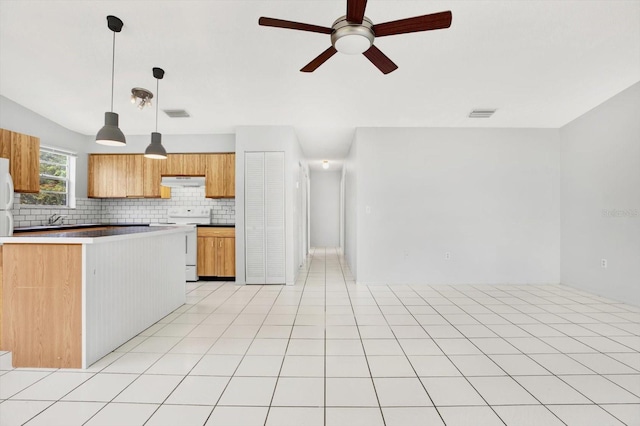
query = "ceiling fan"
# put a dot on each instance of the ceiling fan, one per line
(354, 33)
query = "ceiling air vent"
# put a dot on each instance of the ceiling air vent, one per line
(481, 113)
(176, 113)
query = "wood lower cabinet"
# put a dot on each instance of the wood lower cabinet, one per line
(23, 152)
(216, 252)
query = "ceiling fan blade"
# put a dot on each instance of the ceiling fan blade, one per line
(319, 60)
(380, 60)
(435, 21)
(281, 23)
(355, 10)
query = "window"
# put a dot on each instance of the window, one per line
(57, 175)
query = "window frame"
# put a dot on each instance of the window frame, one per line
(69, 179)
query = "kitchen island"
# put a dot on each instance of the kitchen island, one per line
(72, 296)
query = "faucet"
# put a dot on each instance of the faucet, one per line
(54, 218)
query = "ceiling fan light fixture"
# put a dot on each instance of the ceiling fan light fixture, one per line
(353, 44)
(351, 38)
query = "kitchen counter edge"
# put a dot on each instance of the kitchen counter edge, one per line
(91, 240)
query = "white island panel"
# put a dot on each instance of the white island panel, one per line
(128, 285)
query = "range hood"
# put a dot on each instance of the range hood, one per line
(182, 181)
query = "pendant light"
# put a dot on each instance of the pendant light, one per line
(111, 134)
(155, 149)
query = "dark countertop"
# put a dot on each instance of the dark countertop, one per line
(95, 233)
(76, 226)
(54, 227)
(93, 225)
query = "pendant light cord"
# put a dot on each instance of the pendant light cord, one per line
(157, 99)
(113, 67)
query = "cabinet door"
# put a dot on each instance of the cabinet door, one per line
(175, 165)
(153, 170)
(135, 176)
(5, 143)
(193, 164)
(226, 257)
(107, 176)
(214, 177)
(24, 162)
(206, 256)
(229, 175)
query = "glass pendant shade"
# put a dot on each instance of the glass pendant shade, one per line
(110, 134)
(155, 149)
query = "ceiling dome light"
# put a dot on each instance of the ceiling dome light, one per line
(325, 164)
(352, 44)
(350, 38)
(110, 134)
(155, 150)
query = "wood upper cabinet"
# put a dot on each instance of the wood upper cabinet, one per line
(194, 164)
(220, 181)
(108, 176)
(153, 170)
(230, 175)
(23, 152)
(133, 175)
(185, 165)
(124, 175)
(216, 252)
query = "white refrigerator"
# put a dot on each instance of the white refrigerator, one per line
(6, 199)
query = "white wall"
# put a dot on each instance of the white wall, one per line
(490, 197)
(17, 118)
(350, 182)
(601, 199)
(271, 138)
(20, 119)
(325, 208)
(172, 143)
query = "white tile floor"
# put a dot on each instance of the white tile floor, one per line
(329, 352)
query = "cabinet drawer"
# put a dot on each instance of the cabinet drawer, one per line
(217, 232)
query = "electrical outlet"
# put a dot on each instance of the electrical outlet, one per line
(603, 263)
(405, 254)
(447, 256)
(367, 209)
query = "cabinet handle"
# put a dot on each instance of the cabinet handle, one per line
(220, 243)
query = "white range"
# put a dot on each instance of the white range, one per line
(189, 217)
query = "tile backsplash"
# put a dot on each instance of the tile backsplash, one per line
(126, 210)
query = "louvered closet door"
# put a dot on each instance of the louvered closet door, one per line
(274, 217)
(254, 218)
